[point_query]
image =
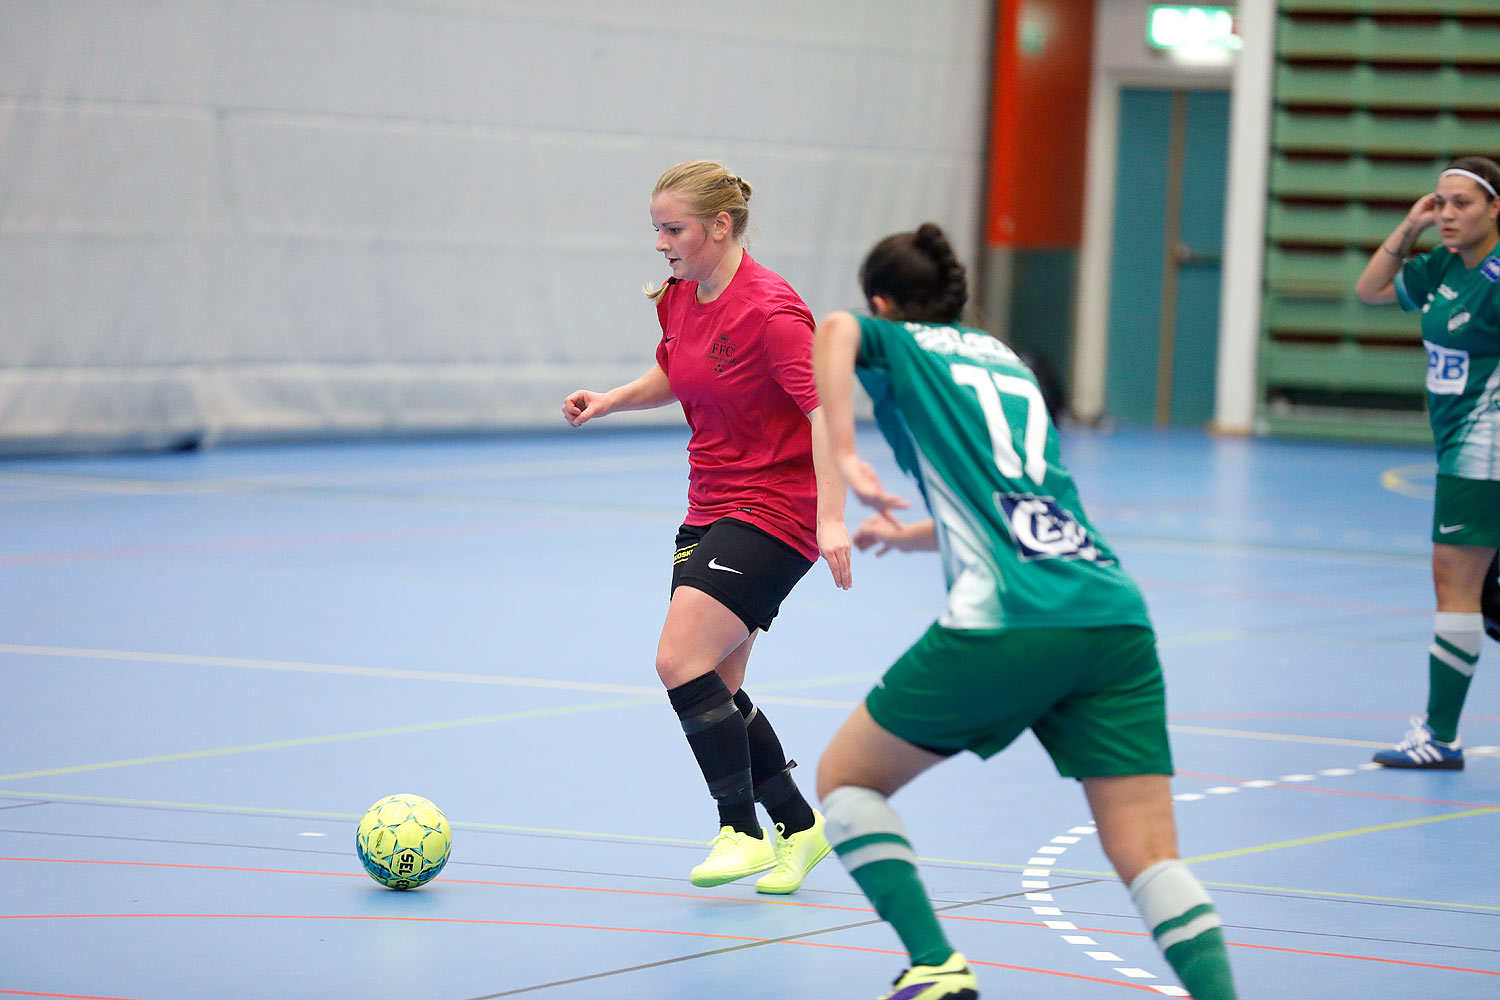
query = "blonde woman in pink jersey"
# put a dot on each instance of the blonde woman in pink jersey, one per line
(736, 352)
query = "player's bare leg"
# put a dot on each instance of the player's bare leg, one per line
(1138, 832)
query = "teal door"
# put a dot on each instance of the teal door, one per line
(1168, 238)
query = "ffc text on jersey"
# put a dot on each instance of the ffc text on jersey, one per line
(720, 354)
(1043, 530)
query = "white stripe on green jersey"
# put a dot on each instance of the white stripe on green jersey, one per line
(1461, 331)
(966, 419)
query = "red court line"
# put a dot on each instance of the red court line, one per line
(1236, 944)
(1344, 791)
(64, 996)
(1363, 958)
(635, 892)
(458, 881)
(1352, 605)
(536, 923)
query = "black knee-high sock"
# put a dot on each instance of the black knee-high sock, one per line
(774, 787)
(716, 732)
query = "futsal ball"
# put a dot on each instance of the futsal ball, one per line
(403, 841)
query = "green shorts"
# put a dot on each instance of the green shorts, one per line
(1466, 512)
(1093, 696)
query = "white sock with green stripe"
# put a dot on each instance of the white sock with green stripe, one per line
(871, 841)
(1451, 660)
(1186, 928)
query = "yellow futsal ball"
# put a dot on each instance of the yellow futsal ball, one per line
(403, 841)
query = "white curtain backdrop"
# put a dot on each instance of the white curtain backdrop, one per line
(230, 219)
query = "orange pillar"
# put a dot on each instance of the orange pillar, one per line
(1039, 122)
(1034, 199)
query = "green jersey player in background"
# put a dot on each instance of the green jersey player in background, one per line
(1457, 288)
(1043, 629)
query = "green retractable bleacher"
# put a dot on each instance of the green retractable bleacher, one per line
(1371, 98)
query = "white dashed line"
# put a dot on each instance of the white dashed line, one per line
(1032, 876)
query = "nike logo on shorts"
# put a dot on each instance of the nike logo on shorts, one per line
(715, 564)
(1448, 529)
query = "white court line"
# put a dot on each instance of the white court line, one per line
(496, 472)
(502, 680)
(397, 673)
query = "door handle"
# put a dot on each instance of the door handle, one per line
(1190, 256)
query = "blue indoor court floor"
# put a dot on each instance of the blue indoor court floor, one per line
(214, 661)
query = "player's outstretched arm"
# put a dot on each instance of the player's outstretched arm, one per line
(888, 533)
(650, 390)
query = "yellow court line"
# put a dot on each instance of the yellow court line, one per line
(1253, 734)
(349, 817)
(1359, 896)
(1340, 835)
(638, 838)
(423, 727)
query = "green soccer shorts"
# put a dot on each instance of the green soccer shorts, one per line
(1466, 512)
(1093, 696)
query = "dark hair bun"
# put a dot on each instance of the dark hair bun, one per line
(918, 273)
(952, 289)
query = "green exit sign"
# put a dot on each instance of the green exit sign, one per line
(1176, 26)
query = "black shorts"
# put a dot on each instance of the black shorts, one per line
(747, 570)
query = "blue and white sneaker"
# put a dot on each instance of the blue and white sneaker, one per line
(1419, 751)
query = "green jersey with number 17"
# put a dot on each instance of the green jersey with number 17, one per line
(1461, 331)
(966, 419)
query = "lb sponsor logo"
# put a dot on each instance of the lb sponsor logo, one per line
(1447, 370)
(1043, 530)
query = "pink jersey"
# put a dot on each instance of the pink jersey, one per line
(741, 366)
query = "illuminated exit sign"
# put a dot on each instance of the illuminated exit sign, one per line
(1182, 27)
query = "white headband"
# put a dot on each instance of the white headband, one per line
(1472, 176)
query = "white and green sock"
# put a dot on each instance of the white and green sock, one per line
(1451, 661)
(871, 841)
(1186, 928)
